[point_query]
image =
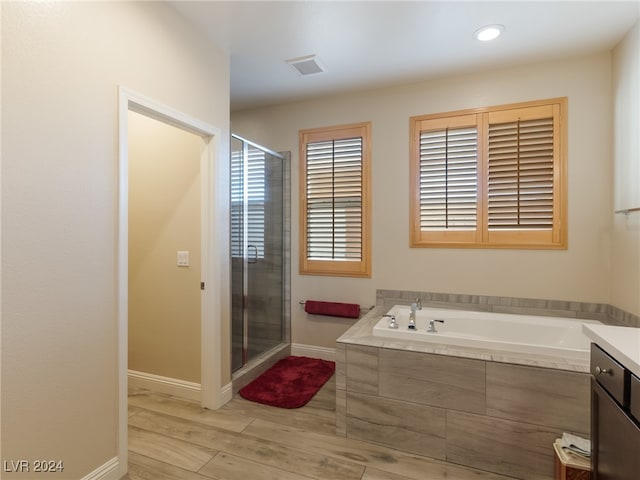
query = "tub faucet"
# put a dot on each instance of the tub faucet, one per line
(412, 317)
(432, 325)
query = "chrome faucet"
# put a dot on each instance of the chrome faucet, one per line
(412, 317)
(393, 323)
(432, 325)
(418, 303)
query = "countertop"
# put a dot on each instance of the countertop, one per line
(622, 343)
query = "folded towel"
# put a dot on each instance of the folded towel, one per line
(576, 444)
(571, 459)
(332, 309)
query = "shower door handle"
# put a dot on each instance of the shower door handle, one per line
(255, 254)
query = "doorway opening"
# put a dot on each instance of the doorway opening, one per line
(214, 247)
(164, 257)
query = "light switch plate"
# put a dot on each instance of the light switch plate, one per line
(183, 258)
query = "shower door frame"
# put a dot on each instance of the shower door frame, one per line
(284, 338)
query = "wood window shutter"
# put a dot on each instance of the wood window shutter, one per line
(491, 177)
(444, 180)
(520, 175)
(334, 200)
(448, 179)
(526, 181)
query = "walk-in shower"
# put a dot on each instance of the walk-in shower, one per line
(259, 252)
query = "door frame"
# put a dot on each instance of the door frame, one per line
(245, 229)
(213, 299)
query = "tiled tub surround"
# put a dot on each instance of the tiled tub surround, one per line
(602, 312)
(493, 410)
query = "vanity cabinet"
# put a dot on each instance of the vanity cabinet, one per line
(615, 418)
(634, 401)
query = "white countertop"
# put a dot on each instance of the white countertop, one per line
(622, 343)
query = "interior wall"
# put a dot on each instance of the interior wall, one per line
(62, 63)
(580, 273)
(625, 251)
(164, 217)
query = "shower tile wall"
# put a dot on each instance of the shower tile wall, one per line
(265, 330)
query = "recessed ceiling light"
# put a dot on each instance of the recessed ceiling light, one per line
(488, 32)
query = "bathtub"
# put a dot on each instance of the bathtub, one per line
(530, 334)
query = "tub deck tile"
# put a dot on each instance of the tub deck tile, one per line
(436, 380)
(529, 399)
(415, 428)
(340, 359)
(516, 392)
(502, 446)
(362, 369)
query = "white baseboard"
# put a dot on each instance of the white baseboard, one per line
(170, 386)
(301, 350)
(226, 394)
(108, 471)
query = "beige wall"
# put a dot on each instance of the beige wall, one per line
(580, 273)
(625, 251)
(61, 65)
(164, 217)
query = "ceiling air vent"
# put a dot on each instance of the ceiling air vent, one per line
(308, 65)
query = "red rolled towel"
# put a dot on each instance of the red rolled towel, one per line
(332, 309)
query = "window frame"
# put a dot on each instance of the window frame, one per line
(482, 236)
(337, 267)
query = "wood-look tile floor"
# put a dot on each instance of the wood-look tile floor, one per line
(175, 439)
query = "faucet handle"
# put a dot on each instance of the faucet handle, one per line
(393, 323)
(432, 325)
(418, 303)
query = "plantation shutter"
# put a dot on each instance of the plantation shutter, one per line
(334, 199)
(252, 194)
(237, 202)
(492, 177)
(255, 199)
(521, 174)
(448, 179)
(335, 207)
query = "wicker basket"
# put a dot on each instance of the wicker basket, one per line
(568, 466)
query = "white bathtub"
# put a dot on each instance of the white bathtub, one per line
(530, 334)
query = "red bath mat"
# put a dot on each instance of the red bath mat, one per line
(290, 383)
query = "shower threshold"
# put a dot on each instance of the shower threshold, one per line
(255, 367)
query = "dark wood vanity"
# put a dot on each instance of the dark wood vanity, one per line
(615, 418)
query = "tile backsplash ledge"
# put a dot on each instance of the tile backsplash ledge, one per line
(607, 314)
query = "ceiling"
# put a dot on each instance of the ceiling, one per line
(372, 44)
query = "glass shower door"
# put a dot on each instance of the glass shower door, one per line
(257, 247)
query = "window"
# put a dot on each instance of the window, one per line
(335, 201)
(492, 177)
